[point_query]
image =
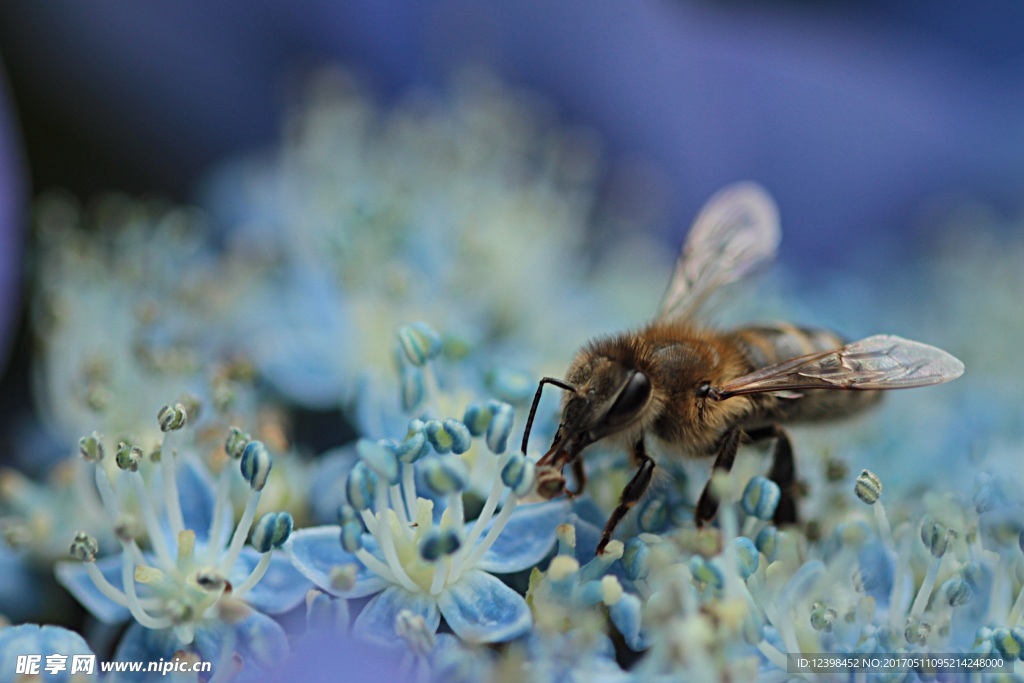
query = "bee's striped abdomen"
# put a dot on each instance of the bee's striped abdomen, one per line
(766, 345)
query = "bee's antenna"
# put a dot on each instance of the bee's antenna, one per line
(536, 400)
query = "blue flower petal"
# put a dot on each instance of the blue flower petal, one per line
(328, 488)
(74, 577)
(281, 588)
(258, 640)
(140, 644)
(376, 623)
(481, 609)
(31, 639)
(317, 550)
(197, 494)
(307, 355)
(527, 537)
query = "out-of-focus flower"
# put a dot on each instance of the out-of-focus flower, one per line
(57, 655)
(197, 587)
(126, 315)
(367, 218)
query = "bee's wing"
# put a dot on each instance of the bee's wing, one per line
(735, 231)
(879, 362)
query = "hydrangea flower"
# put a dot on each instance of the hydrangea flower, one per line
(196, 587)
(404, 538)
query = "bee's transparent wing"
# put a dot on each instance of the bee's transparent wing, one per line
(879, 362)
(737, 230)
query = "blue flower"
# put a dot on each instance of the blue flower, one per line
(418, 552)
(62, 655)
(197, 587)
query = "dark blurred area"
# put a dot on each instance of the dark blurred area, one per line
(857, 116)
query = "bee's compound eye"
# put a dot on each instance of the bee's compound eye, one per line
(633, 396)
(704, 390)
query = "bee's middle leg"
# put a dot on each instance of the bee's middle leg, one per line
(783, 472)
(633, 492)
(707, 504)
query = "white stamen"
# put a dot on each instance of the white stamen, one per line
(257, 573)
(241, 533)
(172, 501)
(156, 534)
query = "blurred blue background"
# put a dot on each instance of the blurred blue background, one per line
(863, 118)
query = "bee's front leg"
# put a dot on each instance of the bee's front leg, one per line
(633, 492)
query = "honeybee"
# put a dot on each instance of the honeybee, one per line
(686, 390)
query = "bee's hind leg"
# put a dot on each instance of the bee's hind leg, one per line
(633, 492)
(783, 472)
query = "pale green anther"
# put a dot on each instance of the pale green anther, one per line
(439, 543)
(500, 427)
(440, 439)
(760, 498)
(767, 542)
(272, 531)
(172, 418)
(957, 591)
(519, 474)
(937, 538)
(868, 487)
(236, 442)
(210, 579)
(414, 446)
(822, 617)
(351, 529)
(419, 343)
(445, 475)
(706, 572)
(747, 556)
(361, 486)
(380, 458)
(917, 632)
(84, 547)
(256, 464)
(91, 447)
(461, 439)
(128, 457)
(477, 418)
(1009, 642)
(636, 559)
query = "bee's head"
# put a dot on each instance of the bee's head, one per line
(610, 399)
(607, 397)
